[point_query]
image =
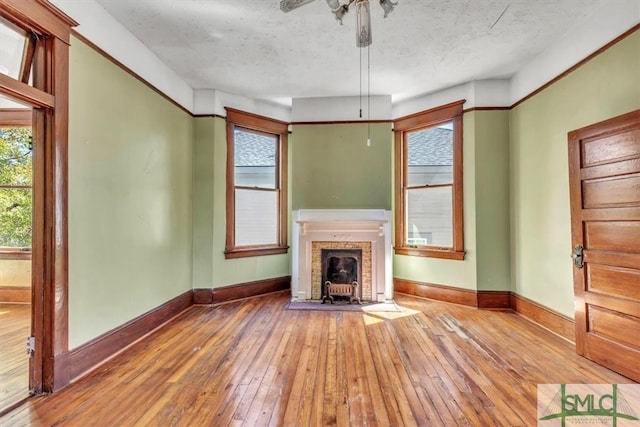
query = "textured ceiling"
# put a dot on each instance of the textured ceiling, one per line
(251, 48)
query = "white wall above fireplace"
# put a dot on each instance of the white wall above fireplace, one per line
(346, 225)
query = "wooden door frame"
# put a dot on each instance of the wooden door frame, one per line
(614, 125)
(49, 97)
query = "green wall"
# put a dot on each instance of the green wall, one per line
(333, 168)
(210, 268)
(203, 195)
(604, 87)
(130, 194)
(491, 129)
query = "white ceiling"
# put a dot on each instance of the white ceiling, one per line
(251, 48)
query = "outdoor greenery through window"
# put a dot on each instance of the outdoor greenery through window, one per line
(429, 183)
(256, 185)
(15, 187)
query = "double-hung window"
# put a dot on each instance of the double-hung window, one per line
(428, 165)
(256, 185)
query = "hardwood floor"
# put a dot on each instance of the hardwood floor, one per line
(15, 327)
(253, 362)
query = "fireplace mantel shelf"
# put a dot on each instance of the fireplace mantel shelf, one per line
(367, 221)
(342, 215)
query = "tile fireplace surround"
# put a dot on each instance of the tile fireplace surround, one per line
(348, 228)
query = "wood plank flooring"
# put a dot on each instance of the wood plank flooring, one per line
(255, 363)
(15, 327)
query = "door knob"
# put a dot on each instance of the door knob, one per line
(578, 256)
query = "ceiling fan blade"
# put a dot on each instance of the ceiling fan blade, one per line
(289, 5)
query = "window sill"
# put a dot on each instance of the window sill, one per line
(431, 253)
(252, 251)
(15, 254)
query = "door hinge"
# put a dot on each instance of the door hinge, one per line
(31, 345)
(578, 256)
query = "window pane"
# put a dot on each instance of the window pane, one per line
(254, 159)
(15, 156)
(12, 41)
(15, 217)
(15, 187)
(256, 217)
(430, 216)
(430, 156)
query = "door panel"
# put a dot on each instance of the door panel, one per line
(612, 192)
(614, 147)
(617, 236)
(604, 173)
(616, 357)
(613, 325)
(610, 169)
(620, 282)
(613, 258)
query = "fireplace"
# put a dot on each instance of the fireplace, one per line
(361, 234)
(341, 266)
(342, 248)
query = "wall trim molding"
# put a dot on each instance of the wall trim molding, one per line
(436, 292)
(241, 290)
(88, 356)
(487, 300)
(205, 116)
(202, 296)
(543, 316)
(494, 300)
(469, 110)
(15, 294)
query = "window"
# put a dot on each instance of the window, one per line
(16, 146)
(428, 165)
(256, 185)
(17, 51)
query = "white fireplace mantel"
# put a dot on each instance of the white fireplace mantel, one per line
(347, 225)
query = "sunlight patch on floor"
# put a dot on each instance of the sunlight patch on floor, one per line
(381, 316)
